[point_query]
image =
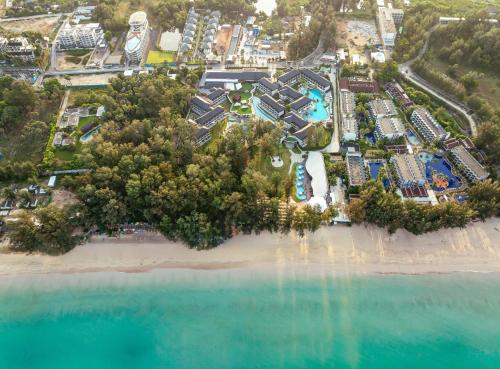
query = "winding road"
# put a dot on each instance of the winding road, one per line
(409, 74)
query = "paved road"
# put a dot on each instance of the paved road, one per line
(408, 73)
(334, 146)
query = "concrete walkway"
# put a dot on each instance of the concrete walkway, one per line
(315, 166)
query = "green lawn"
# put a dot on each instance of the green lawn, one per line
(86, 120)
(161, 57)
(244, 95)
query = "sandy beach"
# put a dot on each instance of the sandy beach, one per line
(356, 249)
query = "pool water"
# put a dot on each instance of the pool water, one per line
(258, 111)
(375, 168)
(88, 136)
(412, 137)
(319, 112)
(370, 138)
(437, 164)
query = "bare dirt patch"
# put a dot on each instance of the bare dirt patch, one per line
(355, 34)
(223, 39)
(43, 25)
(61, 198)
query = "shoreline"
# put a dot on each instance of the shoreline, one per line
(331, 250)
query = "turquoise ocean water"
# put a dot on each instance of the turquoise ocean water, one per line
(225, 321)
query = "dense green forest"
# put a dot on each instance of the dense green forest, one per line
(147, 169)
(321, 28)
(386, 209)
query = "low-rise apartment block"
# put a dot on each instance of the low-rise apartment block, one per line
(211, 118)
(390, 128)
(267, 86)
(409, 170)
(271, 106)
(382, 108)
(467, 164)
(295, 121)
(350, 129)
(355, 168)
(427, 125)
(85, 36)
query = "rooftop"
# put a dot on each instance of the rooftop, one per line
(468, 160)
(410, 168)
(296, 120)
(355, 168)
(390, 125)
(207, 117)
(300, 103)
(268, 100)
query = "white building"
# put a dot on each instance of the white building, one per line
(389, 128)
(85, 36)
(137, 37)
(409, 170)
(467, 164)
(387, 20)
(427, 125)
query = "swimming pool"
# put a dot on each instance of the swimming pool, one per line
(319, 112)
(88, 136)
(412, 137)
(374, 168)
(439, 172)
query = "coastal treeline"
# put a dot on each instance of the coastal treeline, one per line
(386, 209)
(146, 168)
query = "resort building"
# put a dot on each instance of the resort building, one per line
(302, 104)
(137, 37)
(315, 79)
(289, 78)
(217, 96)
(409, 170)
(382, 108)
(355, 168)
(18, 48)
(390, 128)
(200, 105)
(271, 106)
(347, 102)
(467, 164)
(202, 135)
(350, 129)
(310, 77)
(85, 36)
(287, 93)
(395, 91)
(293, 120)
(267, 86)
(229, 80)
(355, 84)
(211, 118)
(301, 136)
(427, 126)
